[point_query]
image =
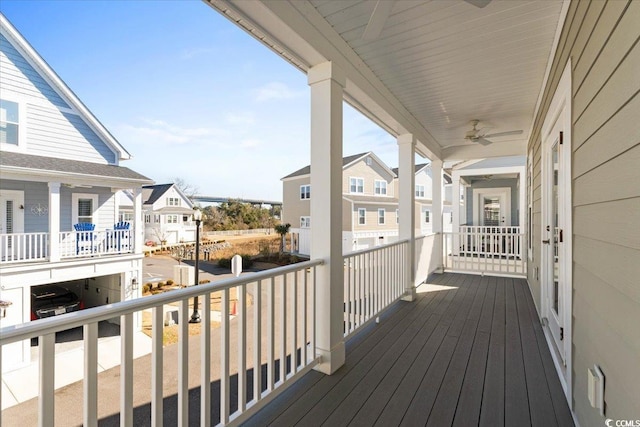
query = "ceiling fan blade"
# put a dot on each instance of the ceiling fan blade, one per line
(511, 132)
(379, 16)
(483, 141)
(478, 3)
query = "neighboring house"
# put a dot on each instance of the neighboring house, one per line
(60, 171)
(423, 198)
(369, 203)
(168, 215)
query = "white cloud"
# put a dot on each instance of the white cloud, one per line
(159, 132)
(250, 143)
(276, 90)
(243, 118)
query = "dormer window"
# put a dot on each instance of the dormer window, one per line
(419, 190)
(173, 201)
(9, 122)
(380, 188)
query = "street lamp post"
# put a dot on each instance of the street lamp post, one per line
(197, 216)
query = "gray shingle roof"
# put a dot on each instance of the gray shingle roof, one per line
(446, 177)
(307, 169)
(151, 193)
(50, 164)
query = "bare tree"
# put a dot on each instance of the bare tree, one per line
(187, 189)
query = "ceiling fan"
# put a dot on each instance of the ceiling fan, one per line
(477, 135)
(382, 10)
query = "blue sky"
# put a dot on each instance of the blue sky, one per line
(187, 93)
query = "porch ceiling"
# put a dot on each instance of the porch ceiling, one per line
(424, 67)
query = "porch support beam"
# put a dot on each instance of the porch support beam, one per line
(455, 209)
(437, 207)
(407, 194)
(54, 221)
(138, 224)
(327, 83)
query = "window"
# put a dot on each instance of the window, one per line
(356, 185)
(305, 222)
(126, 217)
(156, 218)
(427, 215)
(8, 122)
(362, 216)
(147, 218)
(172, 219)
(173, 201)
(305, 192)
(419, 190)
(380, 187)
(83, 207)
(397, 216)
(381, 216)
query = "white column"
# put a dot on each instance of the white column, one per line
(138, 223)
(54, 221)
(437, 207)
(406, 207)
(327, 82)
(455, 207)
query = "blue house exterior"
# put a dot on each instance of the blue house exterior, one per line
(59, 167)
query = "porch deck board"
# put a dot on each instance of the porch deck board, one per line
(471, 354)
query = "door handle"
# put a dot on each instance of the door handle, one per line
(547, 241)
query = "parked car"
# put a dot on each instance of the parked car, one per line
(53, 300)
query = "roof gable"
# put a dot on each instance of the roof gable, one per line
(58, 93)
(153, 193)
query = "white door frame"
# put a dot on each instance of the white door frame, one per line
(18, 197)
(505, 203)
(558, 119)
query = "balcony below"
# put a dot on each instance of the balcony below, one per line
(469, 351)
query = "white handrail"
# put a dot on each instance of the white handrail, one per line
(55, 324)
(373, 280)
(17, 247)
(296, 307)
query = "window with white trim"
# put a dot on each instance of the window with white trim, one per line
(84, 207)
(9, 122)
(305, 222)
(173, 201)
(156, 218)
(427, 216)
(356, 185)
(362, 216)
(380, 188)
(305, 192)
(380, 216)
(419, 190)
(172, 219)
(397, 216)
(125, 217)
(147, 218)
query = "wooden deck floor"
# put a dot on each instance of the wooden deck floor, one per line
(473, 353)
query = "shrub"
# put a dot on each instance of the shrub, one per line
(170, 282)
(146, 288)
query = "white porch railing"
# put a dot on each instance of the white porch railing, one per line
(75, 244)
(19, 247)
(484, 249)
(277, 306)
(373, 279)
